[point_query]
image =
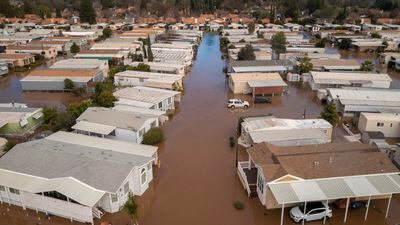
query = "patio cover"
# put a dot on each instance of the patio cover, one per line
(94, 127)
(335, 188)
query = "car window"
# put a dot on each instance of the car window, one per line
(316, 211)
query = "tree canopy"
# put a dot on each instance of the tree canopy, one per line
(367, 66)
(246, 53)
(329, 114)
(278, 43)
(305, 65)
(86, 12)
(75, 48)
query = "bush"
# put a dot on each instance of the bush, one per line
(153, 136)
(9, 145)
(232, 142)
(238, 205)
(68, 84)
(75, 48)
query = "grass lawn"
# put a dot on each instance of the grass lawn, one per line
(16, 129)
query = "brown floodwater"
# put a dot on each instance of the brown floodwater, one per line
(197, 181)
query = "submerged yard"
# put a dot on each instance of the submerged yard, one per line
(197, 182)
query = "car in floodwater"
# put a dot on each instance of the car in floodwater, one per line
(237, 103)
(310, 212)
(262, 99)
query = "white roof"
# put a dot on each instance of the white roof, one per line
(335, 188)
(363, 96)
(272, 123)
(267, 83)
(145, 94)
(93, 127)
(348, 78)
(155, 77)
(105, 143)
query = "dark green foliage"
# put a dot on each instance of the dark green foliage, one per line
(9, 145)
(137, 57)
(42, 10)
(153, 136)
(376, 35)
(58, 13)
(68, 84)
(232, 142)
(86, 12)
(106, 4)
(305, 65)
(238, 205)
(75, 48)
(367, 66)
(278, 43)
(131, 207)
(246, 53)
(321, 43)
(345, 43)
(149, 51)
(142, 67)
(103, 95)
(76, 109)
(329, 114)
(49, 114)
(223, 42)
(107, 32)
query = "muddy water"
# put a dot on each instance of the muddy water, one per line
(197, 182)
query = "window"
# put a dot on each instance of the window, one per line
(380, 124)
(143, 176)
(14, 191)
(260, 183)
(114, 198)
(160, 105)
(126, 187)
(391, 124)
(169, 101)
(2, 188)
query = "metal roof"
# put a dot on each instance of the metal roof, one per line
(93, 127)
(335, 188)
(267, 83)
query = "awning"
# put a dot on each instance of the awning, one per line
(335, 188)
(266, 83)
(94, 127)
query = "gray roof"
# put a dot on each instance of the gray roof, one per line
(18, 109)
(252, 63)
(99, 168)
(121, 119)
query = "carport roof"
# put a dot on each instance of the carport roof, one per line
(335, 188)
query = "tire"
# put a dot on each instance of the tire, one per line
(232, 107)
(246, 106)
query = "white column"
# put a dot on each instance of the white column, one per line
(8, 196)
(283, 210)
(69, 209)
(326, 211)
(304, 213)
(388, 206)
(366, 212)
(347, 209)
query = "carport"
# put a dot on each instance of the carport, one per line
(303, 191)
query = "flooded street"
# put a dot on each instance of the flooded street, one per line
(197, 182)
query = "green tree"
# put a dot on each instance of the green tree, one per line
(367, 66)
(251, 28)
(107, 32)
(86, 12)
(150, 54)
(329, 114)
(246, 53)
(49, 114)
(376, 35)
(131, 207)
(305, 65)
(68, 84)
(292, 9)
(313, 5)
(77, 108)
(278, 43)
(106, 4)
(58, 13)
(321, 43)
(105, 99)
(42, 10)
(75, 48)
(137, 57)
(153, 136)
(345, 43)
(223, 43)
(142, 67)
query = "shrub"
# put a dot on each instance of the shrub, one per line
(238, 205)
(231, 142)
(9, 145)
(153, 136)
(68, 84)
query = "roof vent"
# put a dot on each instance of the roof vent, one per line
(316, 163)
(330, 159)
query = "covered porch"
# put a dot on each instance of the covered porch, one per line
(248, 172)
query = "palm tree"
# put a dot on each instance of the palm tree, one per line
(367, 66)
(131, 207)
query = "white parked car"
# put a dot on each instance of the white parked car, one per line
(314, 211)
(238, 103)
